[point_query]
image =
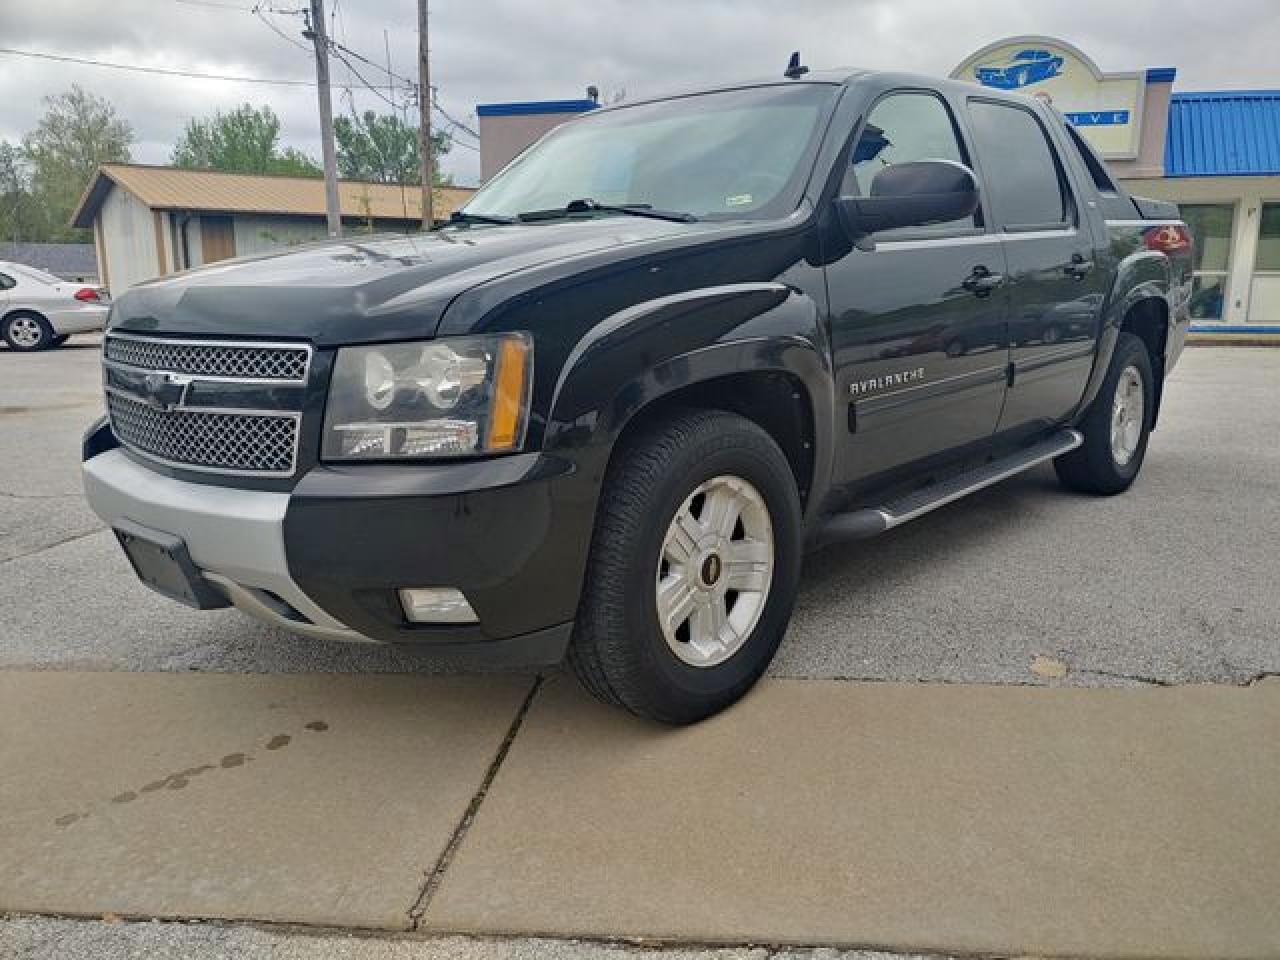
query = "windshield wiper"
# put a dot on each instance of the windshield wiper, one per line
(461, 216)
(588, 205)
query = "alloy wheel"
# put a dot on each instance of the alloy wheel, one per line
(1127, 415)
(714, 571)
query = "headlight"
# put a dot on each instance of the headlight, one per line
(455, 397)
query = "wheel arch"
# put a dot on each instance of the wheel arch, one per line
(23, 310)
(1138, 303)
(757, 350)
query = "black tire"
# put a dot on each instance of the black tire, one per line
(619, 651)
(14, 328)
(1092, 467)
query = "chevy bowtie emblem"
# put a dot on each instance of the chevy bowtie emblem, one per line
(164, 391)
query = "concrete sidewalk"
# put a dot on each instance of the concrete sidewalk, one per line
(950, 818)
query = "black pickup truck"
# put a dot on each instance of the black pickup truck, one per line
(604, 411)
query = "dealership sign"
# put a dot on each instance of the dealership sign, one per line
(1107, 107)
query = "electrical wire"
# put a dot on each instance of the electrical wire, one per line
(435, 102)
(257, 12)
(85, 61)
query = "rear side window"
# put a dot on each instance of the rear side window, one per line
(1018, 165)
(1097, 171)
(901, 128)
(7, 282)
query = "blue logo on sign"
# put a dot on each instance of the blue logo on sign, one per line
(1021, 70)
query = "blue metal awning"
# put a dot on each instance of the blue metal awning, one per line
(530, 107)
(1223, 134)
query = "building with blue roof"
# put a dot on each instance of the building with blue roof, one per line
(1214, 153)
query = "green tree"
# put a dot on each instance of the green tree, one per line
(246, 140)
(20, 215)
(384, 149)
(78, 131)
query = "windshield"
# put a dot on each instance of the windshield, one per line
(739, 153)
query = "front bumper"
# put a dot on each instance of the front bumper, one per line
(326, 559)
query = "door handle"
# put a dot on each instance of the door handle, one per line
(1078, 266)
(981, 281)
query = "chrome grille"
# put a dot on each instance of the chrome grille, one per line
(255, 443)
(209, 358)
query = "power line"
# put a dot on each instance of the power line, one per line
(257, 12)
(435, 102)
(385, 99)
(377, 66)
(85, 61)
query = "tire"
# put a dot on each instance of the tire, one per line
(620, 650)
(1099, 465)
(27, 332)
(60, 339)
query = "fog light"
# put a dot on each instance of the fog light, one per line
(436, 605)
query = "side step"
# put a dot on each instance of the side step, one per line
(870, 521)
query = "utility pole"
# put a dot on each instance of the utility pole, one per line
(424, 117)
(332, 209)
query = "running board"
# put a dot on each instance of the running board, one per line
(870, 521)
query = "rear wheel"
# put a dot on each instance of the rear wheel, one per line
(27, 331)
(1117, 426)
(693, 571)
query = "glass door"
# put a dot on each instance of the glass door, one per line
(1264, 298)
(1211, 225)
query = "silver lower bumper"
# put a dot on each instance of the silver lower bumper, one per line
(235, 537)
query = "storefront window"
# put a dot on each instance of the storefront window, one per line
(1269, 239)
(1210, 225)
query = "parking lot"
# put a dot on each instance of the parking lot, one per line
(1169, 585)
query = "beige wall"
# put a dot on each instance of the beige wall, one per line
(502, 138)
(129, 238)
(1155, 124)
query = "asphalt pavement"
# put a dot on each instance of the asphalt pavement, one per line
(1171, 582)
(1167, 585)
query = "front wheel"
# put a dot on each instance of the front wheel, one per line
(27, 332)
(1116, 427)
(694, 566)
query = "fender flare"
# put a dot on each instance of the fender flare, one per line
(649, 351)
(1140, 276)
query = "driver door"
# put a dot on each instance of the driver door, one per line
(919, 320)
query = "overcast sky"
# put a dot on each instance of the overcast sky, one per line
(495, 50)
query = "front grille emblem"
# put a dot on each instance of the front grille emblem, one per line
(164, 391)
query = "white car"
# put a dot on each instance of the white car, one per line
(39, 311)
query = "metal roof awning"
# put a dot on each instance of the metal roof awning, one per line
(217, 191)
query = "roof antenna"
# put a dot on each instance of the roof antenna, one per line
(794, 69)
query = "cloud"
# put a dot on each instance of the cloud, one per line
(495, 50)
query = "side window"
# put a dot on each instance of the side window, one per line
(7, 282)
(1018, 165)
(1097, 172)
(901, 128)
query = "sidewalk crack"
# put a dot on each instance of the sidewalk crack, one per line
(49, 546)
(434, 877)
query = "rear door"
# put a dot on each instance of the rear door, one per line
(918, 322)
(1055, 285)
(7, 283)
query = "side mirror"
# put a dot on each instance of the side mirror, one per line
(912, 194)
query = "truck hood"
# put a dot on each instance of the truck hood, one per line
(385, 287)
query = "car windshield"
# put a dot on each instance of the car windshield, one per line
(734, 154)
